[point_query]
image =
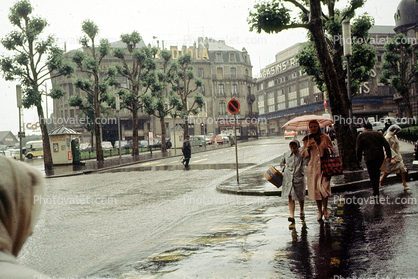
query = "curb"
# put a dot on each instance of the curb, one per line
(350, 186)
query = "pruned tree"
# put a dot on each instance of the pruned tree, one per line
(184, 83)
(89, 61)
(161, 102)
(137, 66)
(322, 57)
(399, 69)
(35, 61)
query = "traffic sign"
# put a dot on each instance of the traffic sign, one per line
(233, 106)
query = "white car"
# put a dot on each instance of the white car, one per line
(107, 145)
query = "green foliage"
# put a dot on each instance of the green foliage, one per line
(28, 64)
(271, 17)
(396, 67)
(184, 84)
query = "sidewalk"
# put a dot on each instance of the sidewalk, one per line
(253, 183)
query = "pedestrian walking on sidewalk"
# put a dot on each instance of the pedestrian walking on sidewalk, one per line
(187, 151)
(293, 187)
(315, 146)
(372, 143)
(20, 185)
(396, 164)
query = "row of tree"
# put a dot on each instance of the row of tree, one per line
(322, 57)
(160, 92)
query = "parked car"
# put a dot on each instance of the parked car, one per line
(218, 139)
(143, 144)
(377, 126)
(85, 146)
(123, 143)
(197, 140)
(208, 139)
(12, 153)
(107, 145)
(157, 142)
(290, 135)
(225, 138)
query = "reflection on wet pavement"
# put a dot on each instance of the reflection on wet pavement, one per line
(181, 167)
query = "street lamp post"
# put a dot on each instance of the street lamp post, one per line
(21, 134)
(347, 53)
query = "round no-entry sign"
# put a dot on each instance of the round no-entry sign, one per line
(233, 106)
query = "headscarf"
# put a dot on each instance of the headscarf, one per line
(316, 136)
(295, 141)
(19, 183)
(393, 129)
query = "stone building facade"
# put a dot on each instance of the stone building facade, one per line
(226, 73)
(283, 91)
(406, 21)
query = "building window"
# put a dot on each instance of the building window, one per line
(292, 88)
(219, 73)
(219, 57)
(293, 103)
(261, 110)
(222, 108)
(221, 89)
(234, 89)
(232, 57)
(281, 106)
(271, 108)
(70, 89)
(261, 97)
(202, 90)
(270, 95)
(246, 72)
(280, 92)
(318, 97)
(200, 72)
(270, 83)
(233, 72)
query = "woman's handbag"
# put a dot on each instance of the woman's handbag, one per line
(331, 165)
(274, 176)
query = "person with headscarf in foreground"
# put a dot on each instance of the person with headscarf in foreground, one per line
(19, 184)
(294, 187)
(396, 164)
(315, 146)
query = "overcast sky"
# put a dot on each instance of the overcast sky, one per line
(174, 22)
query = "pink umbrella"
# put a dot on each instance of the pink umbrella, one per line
(301, 123)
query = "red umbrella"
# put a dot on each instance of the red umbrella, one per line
(301, 123)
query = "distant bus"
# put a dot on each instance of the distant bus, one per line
(34, 149)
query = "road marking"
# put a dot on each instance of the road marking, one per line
(253, 158)
(199, 160)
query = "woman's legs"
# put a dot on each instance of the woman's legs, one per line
(320, 213)
(403, 175)
(322, 208)
(291, 207)
(383, 177)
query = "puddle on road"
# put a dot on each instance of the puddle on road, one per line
(181, 168)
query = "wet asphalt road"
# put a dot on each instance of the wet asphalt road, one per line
(174, 224)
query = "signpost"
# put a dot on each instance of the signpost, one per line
(233, 107)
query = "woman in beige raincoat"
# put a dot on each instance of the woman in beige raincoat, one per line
(315, 146)
(19, 184)
(396, 165)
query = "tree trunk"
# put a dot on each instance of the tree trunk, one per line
(97, 132)
(163, 144)
(135, 147)
(48, 165)
(346, 144)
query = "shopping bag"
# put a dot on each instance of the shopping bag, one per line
(274, 176)
(331, 166)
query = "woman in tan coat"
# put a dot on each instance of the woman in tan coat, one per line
(315, 146)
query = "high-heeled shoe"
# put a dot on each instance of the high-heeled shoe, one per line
(326, 216)
(319, 219)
